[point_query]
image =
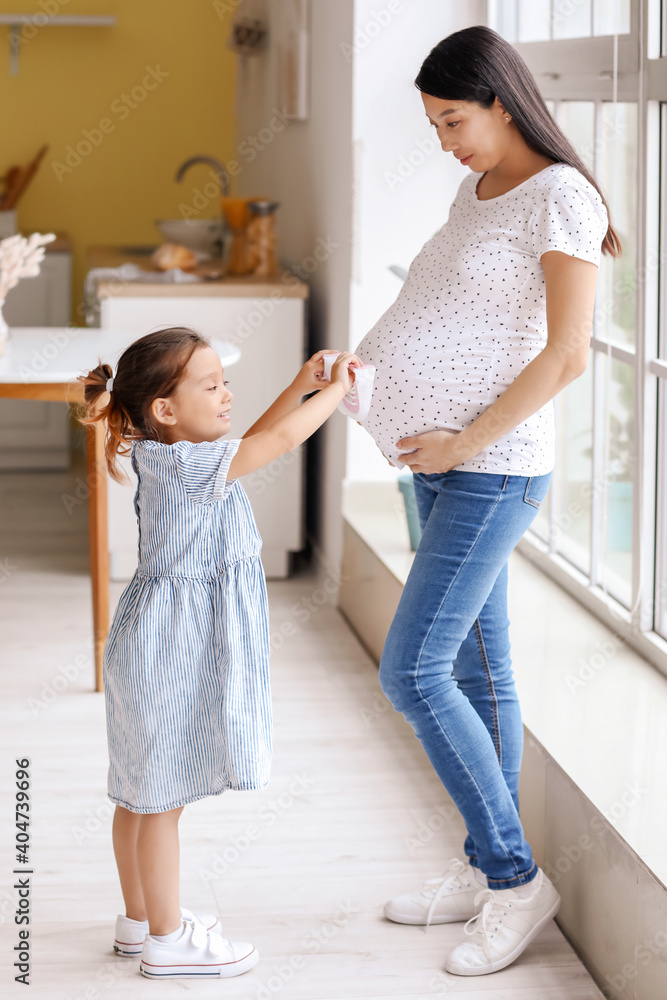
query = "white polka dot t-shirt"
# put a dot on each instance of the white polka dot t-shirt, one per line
(472, 313)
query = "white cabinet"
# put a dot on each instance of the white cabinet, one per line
(270, 334)
(35, 434)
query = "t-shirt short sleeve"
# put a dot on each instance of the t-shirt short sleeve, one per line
(202, 468)
(572, 218)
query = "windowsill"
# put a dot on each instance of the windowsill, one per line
(596, 706)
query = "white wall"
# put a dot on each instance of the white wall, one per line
(404, 182)
(330, 176)
(307, 167)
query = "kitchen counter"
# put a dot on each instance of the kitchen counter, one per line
(281, 285)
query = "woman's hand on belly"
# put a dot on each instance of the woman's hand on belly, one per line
(437, 451)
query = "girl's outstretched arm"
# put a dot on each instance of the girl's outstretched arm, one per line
(292, 428)
(308, 380)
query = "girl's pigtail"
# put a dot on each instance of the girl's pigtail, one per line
(99, 404)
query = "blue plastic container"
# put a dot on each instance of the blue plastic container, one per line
(407, 487)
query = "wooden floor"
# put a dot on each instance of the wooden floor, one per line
(353, 813)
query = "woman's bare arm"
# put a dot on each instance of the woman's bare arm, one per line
(570, 298)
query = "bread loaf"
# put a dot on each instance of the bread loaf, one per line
(173, 255)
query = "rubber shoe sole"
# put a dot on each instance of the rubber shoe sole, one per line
(224, 971)
(404, 918)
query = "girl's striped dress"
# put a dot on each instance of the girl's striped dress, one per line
(186, 662)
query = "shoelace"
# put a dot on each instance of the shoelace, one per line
(482, 925)
(443, 882)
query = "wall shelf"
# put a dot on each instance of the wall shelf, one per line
(41, 20)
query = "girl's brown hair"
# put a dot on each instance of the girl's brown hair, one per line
(148, 369)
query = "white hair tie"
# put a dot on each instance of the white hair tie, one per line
(110, 384)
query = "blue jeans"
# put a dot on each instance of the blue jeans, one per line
(446, 662)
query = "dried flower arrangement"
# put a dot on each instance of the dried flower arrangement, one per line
(20, 257)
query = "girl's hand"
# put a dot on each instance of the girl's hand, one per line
(437, 451)
(343, 369)
(311, 376)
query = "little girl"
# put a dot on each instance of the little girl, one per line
(186, 678)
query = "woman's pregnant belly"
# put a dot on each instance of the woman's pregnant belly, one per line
(421, 386)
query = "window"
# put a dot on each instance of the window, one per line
(602, 69)
(541, 20)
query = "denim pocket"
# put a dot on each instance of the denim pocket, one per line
(536, 490)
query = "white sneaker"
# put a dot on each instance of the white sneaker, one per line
(130, 934)
(504, 928)
(443, 900)
(196, 954)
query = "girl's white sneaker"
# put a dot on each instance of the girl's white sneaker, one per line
(443, 900)
(196, 954)
(504, 927)
(130, 934)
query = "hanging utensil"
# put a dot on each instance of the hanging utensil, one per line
(21, 182)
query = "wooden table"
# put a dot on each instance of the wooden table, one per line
(43, 363)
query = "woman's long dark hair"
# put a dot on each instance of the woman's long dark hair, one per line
(476, 64)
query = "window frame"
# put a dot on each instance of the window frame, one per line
(627, 68)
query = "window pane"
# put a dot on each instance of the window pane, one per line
(502, 18)
(661, 516)
(541, 526)
(577, 120)
(571, 19)
(574, 463)
(617, 174)
(662, 325)
(611, 18)
(534, 18)
(616, 494)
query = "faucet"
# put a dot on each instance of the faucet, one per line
(220, 169)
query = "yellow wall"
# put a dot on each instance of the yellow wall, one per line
(71, 78)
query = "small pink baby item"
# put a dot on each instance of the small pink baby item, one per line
(357, 402)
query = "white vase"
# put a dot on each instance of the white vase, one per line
(4, 330)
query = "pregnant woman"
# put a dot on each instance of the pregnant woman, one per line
(493, 320)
